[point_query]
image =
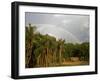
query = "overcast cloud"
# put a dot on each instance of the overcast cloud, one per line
(72, 28)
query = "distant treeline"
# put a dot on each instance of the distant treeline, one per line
(44, 50)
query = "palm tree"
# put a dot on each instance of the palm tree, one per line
(61, 50)
(29, 35)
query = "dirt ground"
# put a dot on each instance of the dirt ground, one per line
(71, 63)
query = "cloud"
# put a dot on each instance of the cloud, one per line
(60, 24)
(57, 15)
(66, 21)
(57, 32)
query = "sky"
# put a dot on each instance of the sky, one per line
(73, 28)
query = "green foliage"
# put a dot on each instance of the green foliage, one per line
(44, 50)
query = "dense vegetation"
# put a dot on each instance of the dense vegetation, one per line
(45, 51)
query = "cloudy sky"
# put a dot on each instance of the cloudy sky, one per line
(70, 27)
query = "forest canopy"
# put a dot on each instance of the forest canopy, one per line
(47, 51)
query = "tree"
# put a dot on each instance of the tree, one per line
(29, 35)
(85, 51)
(68, 51)
(44, 50)
(60, 50)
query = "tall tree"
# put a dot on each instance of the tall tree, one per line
(29, 35)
